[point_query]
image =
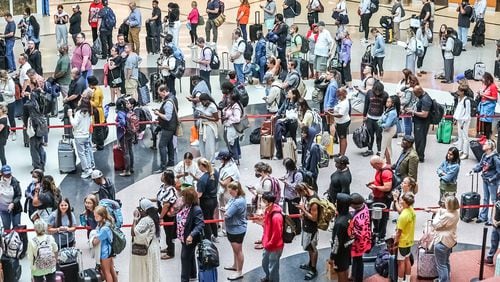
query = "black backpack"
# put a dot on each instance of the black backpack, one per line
(255, 136)
(248, 50)
(208, 255)
(297, 9)
(436, 113)
(374, 6)
(241, 91)
(457, 46)
(304, 47)
(382, 263)
(93, 54)
(214, 59)
(289, 228)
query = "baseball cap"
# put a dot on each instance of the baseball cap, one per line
(321, 23)
(6, 169)
(342, 160)
(409, 138)
(145, 204)
(76, 6)
(96, 174)
(224, 155)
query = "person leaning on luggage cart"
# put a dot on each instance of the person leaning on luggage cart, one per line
(444, 223)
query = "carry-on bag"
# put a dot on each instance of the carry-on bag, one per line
(329, 146)
(477, 149)
(71, 270)
(224, 69)
(444, 131)
(479, 70)
(66, 155)
(118, 158)
(90, 275)
(290, 149)
(11, 269)
(470, 198)
(254, 28)
(426, 265)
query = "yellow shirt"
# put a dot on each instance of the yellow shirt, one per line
(406, 223)
(96, 102)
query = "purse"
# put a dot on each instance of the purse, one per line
(219, 20)
(201, 20)
(179, 132)
(117, 80)
(242, 125)
(140, 249)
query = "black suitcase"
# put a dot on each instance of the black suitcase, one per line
(477, 149)
(255, 27)
(123, 29)
(155, 80)
(497, 70)
(152, 45)
(66, 156)
(224, 68)
(304, 68)
(11, 269)
(3, 63)
(470, 198)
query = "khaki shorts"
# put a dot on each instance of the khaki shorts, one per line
(309, 240)
(320, 63)
(131, 86)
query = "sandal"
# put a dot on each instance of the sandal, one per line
(230, 268)
(165, 257)
(311, 275)
(305, 266)
(258, 247)
(258, 242)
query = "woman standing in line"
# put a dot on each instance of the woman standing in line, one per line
(8, 91)
(388, 123)
(87, 218)
(189, 229)
(96, 101)
(312, 37)
(462, 115)
(448, 172)
(4, 132)
(269, 14)
(242, 17)
(192, 18)
(208, 115)
(40, 271)
(146, 232)
(445, 223)
(342, 119)
(489, 96)
(232, 115)
(424, 34)
(166, 199)
(186, 171)
(81, 130)
(345, 58)
(207, 188)
(449, 58)
(104, 237)
(124, 137)
(408, 185)
(115, 77)
(411, 48)
(62, 221)
(61, 18)
(235, 216)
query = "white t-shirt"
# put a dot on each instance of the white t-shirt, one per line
(22, 73)
(323, 43)
(168, 62)
(229, 170)
(314, 4)
(342, 7)
(397, 16)
(238, 46)
(342, 108)
(181, 168)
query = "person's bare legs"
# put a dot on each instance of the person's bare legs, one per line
(343, 146)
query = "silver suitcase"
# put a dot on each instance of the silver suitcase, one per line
(66, 156)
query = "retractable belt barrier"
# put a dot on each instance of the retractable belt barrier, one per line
(208, 221)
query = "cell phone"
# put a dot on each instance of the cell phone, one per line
(356, 87)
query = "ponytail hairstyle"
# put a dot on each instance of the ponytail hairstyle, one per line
(208, 165)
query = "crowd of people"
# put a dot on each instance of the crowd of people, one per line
(280, 57)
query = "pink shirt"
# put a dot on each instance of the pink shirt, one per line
(193, 16)
(79, 53)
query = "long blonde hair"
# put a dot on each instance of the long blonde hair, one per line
(208, 165)
(103, 212)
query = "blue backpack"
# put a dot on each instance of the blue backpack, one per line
(114, 209)
(108, 19)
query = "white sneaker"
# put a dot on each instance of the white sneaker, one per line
(85, 175)
(195, 143)
(13, 136)
(464, 156)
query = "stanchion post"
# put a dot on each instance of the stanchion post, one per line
(483, 253)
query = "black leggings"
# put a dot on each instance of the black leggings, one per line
(420, 60)
(208, 206)
(378, 65)
(365, 23)
(374, 131)
(357, 269)
(2, 153)
(193, 34)
(486, 128)
(170, 235)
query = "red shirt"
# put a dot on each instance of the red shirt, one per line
(272, 238)
(492, 91)
(93, 14)
(381, 177)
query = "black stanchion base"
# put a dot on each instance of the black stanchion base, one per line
(372, 254)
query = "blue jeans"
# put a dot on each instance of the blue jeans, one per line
(462, 34)
(489, 191)
(10, 220)
(166, 148)
(495, 237)
(9, 54)
(84, 150)
(408, 125)
(243, 28)
(442, 254)
(271, 265)
(240, 77)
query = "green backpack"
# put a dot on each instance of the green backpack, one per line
(119, 240)
(327, 212)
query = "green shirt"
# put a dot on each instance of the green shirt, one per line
(63, 65)
(297, 41)
(33, 252)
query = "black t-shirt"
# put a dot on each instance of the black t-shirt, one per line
(340, 182)
(308, 225)
(4, 134)
(425, 9)
(157, 12)
(424, 104)
(208, 185)
(464, 19)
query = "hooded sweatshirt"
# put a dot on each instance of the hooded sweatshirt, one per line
(272, 238)
(360, 230)
(81, 124)
(313, 153)
(341, 246)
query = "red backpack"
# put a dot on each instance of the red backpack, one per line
(132, 123)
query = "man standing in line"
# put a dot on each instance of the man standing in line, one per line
(407, 163)
(8, 36)
(204, 61)
(93, 19)
(131, 71)
(464, 14)
(213, 11)
(421, 121)
(167, 121)
(81, 57)
(134, 21)
(289, 11)
(236, 55)
(323, 49)
(154, 25)
(108, 23)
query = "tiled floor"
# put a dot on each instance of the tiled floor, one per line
(144, 184)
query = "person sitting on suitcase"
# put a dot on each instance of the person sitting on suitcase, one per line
(489, 166)
(42, 253)
(405, 232)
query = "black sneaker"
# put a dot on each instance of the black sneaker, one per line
(367, 153)
(488, 260)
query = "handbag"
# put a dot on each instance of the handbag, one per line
(219, 20)
(201, 20)
(179, 132)
(242, 125)
(117, 80)
(140, 249)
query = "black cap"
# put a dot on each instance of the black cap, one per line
(342, 160)
(224, 155)
(409, 138)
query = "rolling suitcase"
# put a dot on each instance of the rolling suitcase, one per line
(426, 265)
(477, 149)
(255, 27)
(470, 198)
(479, 70)
(24, 239)
(224, 69)
(208, 275)
(155, 80)
(11, 269)
(266, 147)
(3, 63)
(444, 131)
(144, 98)
(304, 68)
(152, 45)
(290, 149)
(90, 275)
(66, 156)
(118, 158)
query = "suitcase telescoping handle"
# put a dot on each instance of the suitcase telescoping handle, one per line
(257, 17)
(225, 61)
(474, 175)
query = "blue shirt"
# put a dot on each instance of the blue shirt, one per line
(389, 119)
(10, 27)
(448, 172)
(236, 216)
(207, 185)
(330, 95)
(135, 18)
(379, 46)
(105, 236)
